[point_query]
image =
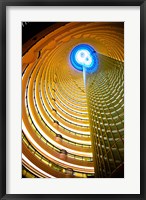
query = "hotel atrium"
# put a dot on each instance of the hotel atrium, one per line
(73, 119)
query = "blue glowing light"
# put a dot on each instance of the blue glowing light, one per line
(84, 56)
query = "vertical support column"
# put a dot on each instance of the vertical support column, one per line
(84, 76)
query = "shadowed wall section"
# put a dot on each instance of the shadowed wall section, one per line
(105, 97)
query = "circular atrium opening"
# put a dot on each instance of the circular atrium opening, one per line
(84, 57)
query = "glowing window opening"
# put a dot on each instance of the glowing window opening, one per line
(83, 56)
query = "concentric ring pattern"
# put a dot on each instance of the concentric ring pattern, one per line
(57, 127)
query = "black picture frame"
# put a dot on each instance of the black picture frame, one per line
(3, 128)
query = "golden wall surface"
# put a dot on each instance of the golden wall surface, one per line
(105, 97)
(58, 132)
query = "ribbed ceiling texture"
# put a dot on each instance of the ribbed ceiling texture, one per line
(73, 121)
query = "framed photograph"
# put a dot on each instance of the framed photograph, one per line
(72, 99)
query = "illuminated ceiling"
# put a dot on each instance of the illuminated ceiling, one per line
(55, 121)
